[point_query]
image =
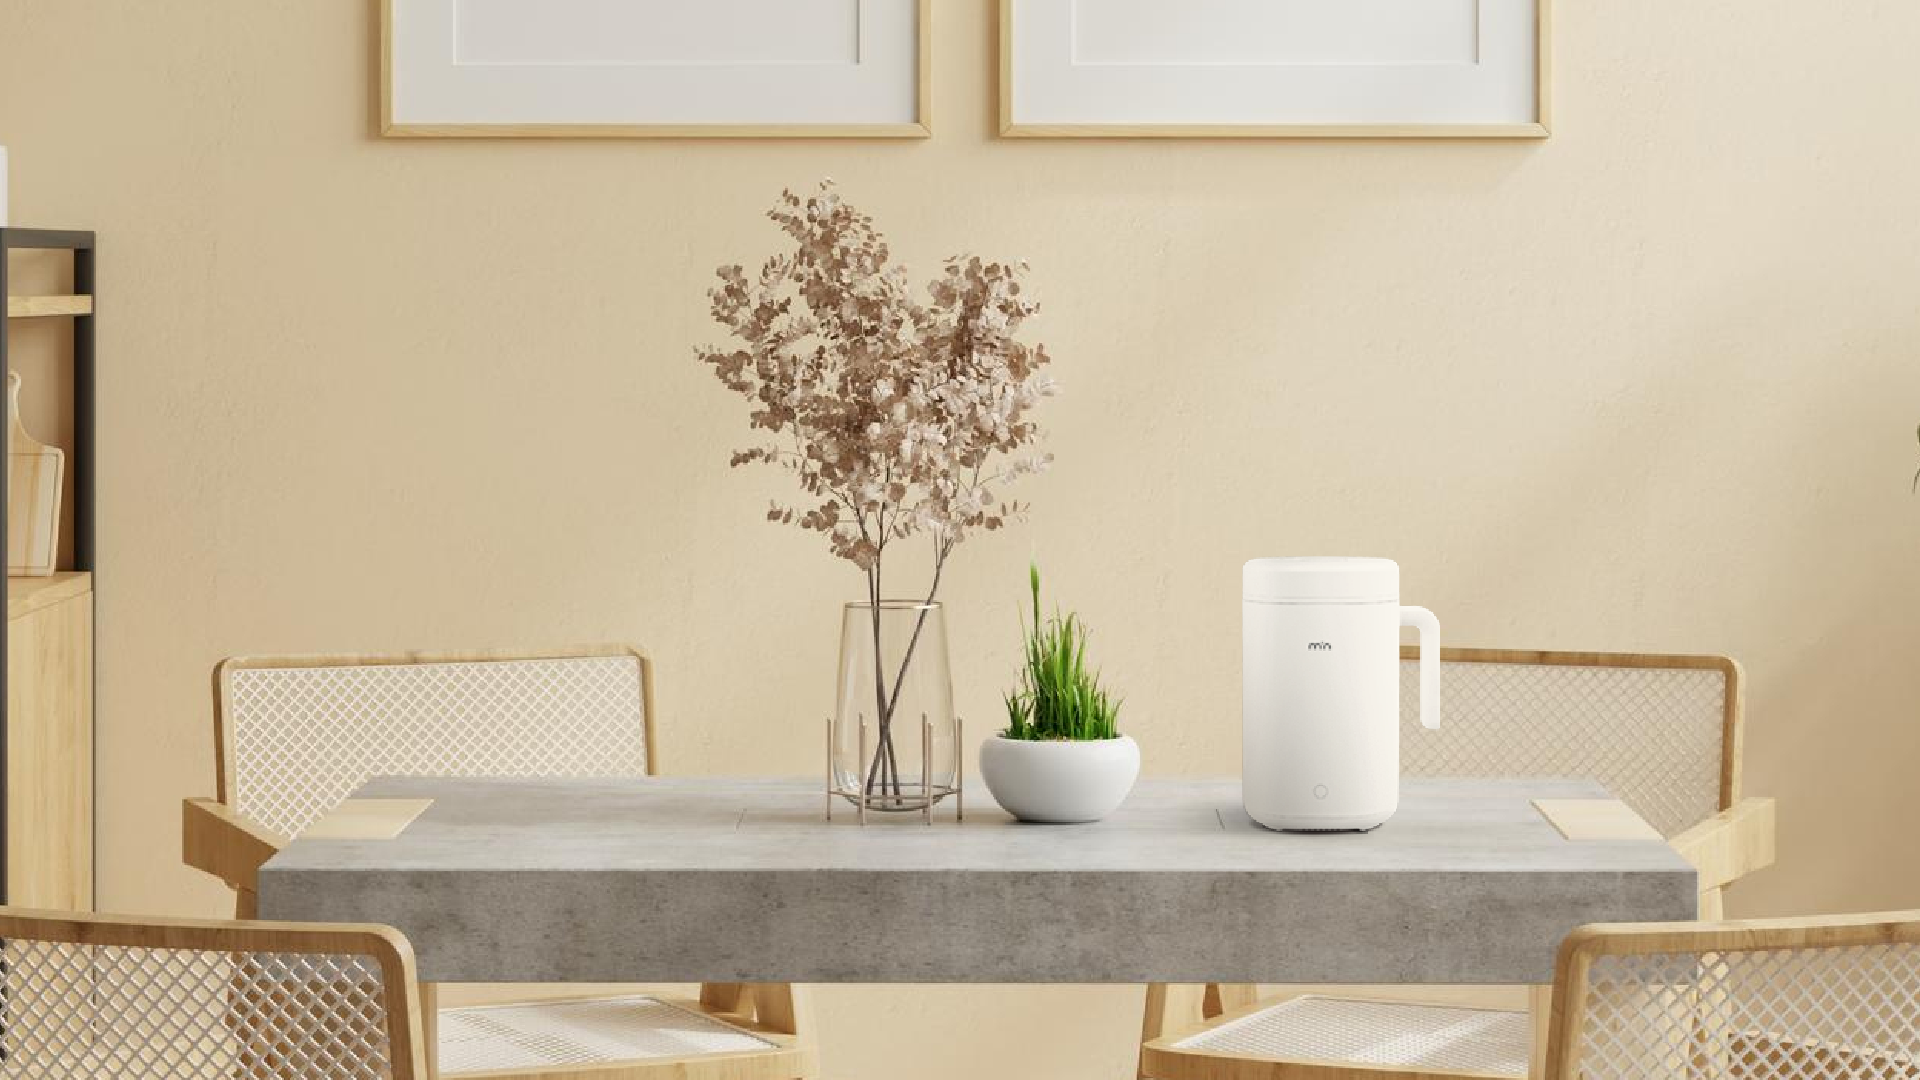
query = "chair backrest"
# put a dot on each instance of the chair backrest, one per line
(296, 735)
(97, 997)
(1834, 998)
(1661, 732)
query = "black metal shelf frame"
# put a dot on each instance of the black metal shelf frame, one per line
(82, 461)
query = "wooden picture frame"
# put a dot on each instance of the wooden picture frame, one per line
(841, 105)
(1156, 103)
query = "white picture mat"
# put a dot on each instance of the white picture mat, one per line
(1264, 63)
(1214, 32)
(657, 33)
(641, 63)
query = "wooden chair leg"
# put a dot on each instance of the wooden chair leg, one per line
(246, 904)
(1170, 1009)
(1540, 1010)
(430, 1027)
(1713, 905)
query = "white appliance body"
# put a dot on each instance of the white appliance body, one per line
(1320, 712)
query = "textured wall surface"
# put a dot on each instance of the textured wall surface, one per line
(1650, 385)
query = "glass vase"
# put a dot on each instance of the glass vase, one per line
(895, 738)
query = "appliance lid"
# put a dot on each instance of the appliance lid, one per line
(1321, 579)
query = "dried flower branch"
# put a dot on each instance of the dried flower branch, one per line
(897, 416)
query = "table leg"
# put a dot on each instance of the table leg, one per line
(788, 1009)
(1223, 998)
(430, 1026)
(726, 997)
(1171, 1008)
(1540, 1006)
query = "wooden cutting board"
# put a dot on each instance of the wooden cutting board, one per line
(33, 495)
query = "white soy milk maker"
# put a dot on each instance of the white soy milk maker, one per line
(1320, 707)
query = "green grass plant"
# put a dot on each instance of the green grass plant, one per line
(1059, 698)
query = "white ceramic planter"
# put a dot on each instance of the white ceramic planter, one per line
(1060, 782)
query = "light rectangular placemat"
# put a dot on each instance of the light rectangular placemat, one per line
(1595, 819)
(367, 819)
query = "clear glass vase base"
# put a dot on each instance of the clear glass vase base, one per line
(888, 803)
(910, 797)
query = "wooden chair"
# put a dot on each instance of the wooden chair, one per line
(1662, 733)
(1834, 998)
(93, 996)
(294, 736)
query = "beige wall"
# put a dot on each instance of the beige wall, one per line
(1647, 386)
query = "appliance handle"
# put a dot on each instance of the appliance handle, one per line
(1429, 626)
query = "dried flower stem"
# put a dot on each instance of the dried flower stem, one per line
(888, 703)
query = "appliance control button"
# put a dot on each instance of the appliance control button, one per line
(1320, 791)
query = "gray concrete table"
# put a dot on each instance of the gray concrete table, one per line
(711, 880)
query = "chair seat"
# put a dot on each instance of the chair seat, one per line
(543, 1035)
(1376, 1034)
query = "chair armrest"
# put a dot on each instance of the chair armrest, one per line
(1731, 844)
(230, 846)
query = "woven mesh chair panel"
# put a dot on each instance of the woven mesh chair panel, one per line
(562, 1033)
(112, 1012)
(303, 738)
(1850, 1013)
(1377, 1033)
(1652, 735)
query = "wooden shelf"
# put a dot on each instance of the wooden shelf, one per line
(26, 595)
(46, 740)
(45, 307)
(49, 776)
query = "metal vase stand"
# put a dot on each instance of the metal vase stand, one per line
(927, 794)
